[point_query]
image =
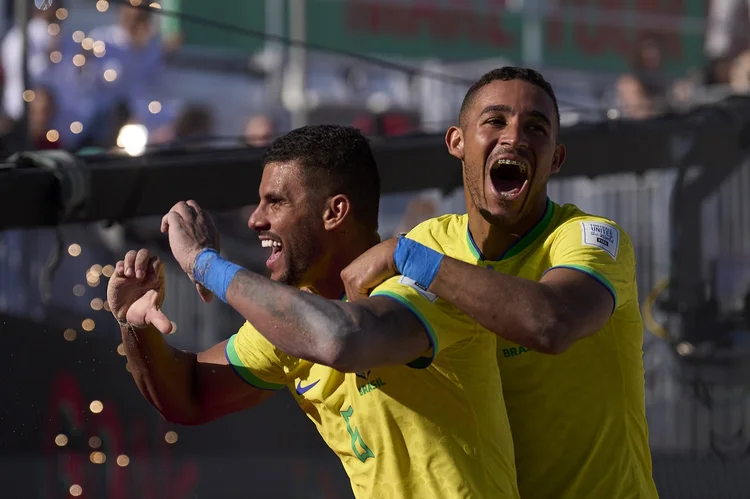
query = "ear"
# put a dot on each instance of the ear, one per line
(336, 209)
(558, 159)
(454, 139)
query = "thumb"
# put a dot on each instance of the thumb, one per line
(159, 320)
(204, 293)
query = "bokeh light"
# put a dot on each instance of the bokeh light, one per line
(121, 349)
(106, 306)
(87, 43)
(61, 13)
(136, 3)
(79, 60)
(53, 135)
(76, 490)
(78, 36)
(88, 325)
(79, 290)
(28, 95)
(95, 442)
(61, 440)
(97, 304)
(69, 334)
(97, 457)
(123, 460)
(96, 407)
(170, 437)
(74, 250)
(53, 29)
(102, 5)
(110, 75)
(76, 127)
(55, 56)
(154, 107)
(108, 270)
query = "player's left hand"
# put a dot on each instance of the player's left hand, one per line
(190, 231)
(369, 270)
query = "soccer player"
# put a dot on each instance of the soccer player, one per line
(556, 284)
(406, 391)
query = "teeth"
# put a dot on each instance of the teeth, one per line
(268, 243)
(522, 165)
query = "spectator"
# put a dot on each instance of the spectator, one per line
(40, 44)
(259, 130)
(739, 77)
(642, 93)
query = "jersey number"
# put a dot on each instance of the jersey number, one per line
(357, 442)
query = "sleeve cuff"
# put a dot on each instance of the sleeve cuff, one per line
(243, 372)
(597, 276)
(421, 362)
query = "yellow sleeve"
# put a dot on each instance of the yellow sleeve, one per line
(444, 323)
(255, 359)
(600, 249)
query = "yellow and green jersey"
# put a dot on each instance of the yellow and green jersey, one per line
(435, 428)
(578, 419)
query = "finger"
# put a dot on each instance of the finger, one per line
(171, 218)
(204, 293)
(119, 269)
(195, 206)
(159, 320)
(130, 263)
(141, 263)
(154, 269)
(185, 211)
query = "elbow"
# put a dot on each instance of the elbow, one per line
(548, 332)
(342, 352)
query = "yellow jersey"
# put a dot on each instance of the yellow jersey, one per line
(435, 428)
(578, 419)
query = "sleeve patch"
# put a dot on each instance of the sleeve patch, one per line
(602, 236)
(418, 288)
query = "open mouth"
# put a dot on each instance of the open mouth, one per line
(509, 177)
(276, 249)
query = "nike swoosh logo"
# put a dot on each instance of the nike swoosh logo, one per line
(301, 390)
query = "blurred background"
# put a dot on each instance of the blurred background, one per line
(156, 98)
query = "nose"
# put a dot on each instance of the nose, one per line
(514, 135)
(258, 220)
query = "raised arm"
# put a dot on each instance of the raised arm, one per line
(345, 336)
(574, 298)
(186, 388)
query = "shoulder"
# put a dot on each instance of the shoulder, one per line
(440, 233)
(574, 226)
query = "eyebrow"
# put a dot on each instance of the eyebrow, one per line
(508, 109)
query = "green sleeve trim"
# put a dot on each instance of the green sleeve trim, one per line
(239, 367)
(596, 275)
(421, 362)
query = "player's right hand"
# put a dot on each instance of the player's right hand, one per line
(136, 291)
(370, 269)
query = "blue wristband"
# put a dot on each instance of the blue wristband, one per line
(214, 273)
(417, 261)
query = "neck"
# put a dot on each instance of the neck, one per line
(328, 282)
(493, 240)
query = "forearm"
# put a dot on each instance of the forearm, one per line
(300, 324)
(165, 375)
(520, 310)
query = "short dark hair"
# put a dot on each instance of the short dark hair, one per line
(337, 160)
(509, 73)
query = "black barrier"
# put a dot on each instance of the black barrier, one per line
(118, 187)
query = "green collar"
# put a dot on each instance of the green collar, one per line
(524, 242)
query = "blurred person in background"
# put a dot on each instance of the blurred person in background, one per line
(728, 29)
(739, 74)
(259, 130)
(40, 44)
(40, 133)
(642, 92)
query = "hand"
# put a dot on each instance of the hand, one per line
(135, 291)
(370, 269)
(190, 231)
